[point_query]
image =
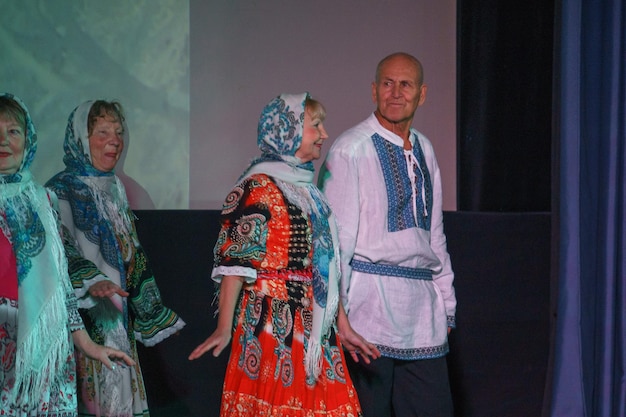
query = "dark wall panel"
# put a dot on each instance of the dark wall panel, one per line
(498, 352)
(504, 70)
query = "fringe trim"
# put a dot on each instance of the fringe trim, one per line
(106, 314)
(51, 349)
(111, 203)
(307, 197)
(43, 352)
(331, 314)
(313, 358)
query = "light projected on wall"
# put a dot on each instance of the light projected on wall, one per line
(57, 54)
(194, 76)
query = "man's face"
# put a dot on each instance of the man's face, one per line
(398, 92)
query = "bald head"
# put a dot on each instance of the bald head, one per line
(410, 60)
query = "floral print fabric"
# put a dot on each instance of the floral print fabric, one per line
(266, 375)
(59, 401)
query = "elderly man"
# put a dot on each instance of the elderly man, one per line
(383, 183)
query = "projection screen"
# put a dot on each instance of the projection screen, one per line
(193, 77)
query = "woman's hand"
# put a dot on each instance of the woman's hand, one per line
(353, 342)
(98, 352)
(217, 342)
(229, 294)
(105, 289)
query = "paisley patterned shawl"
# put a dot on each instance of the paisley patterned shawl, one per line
(88, 191)
(30, 224)
(279, 137)
(279, 133)
(100, 210)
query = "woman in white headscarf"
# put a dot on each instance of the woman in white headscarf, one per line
(38, 315)
(278, 243)
(117, 294)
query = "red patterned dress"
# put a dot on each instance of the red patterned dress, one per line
(266, 375)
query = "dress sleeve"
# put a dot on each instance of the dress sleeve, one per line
(82, 272)
(152, 321)
(75, 322)
(339, 180)
(242, 241)
(80, 268)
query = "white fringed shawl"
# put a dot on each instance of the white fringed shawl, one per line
(43, 342)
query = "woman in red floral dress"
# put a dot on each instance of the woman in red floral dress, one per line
(276, 258)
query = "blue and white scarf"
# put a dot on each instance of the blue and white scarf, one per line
(29, 222)
(279, 137)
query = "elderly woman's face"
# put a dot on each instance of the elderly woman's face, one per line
(313, 137)
(12, 142)
(106, 143)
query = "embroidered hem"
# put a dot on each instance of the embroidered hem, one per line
(429, 352)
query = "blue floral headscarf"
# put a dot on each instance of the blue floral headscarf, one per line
(279, 133)
(77, 156)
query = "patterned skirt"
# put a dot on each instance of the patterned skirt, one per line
(266, 374)
(111, 393)
(59, 401)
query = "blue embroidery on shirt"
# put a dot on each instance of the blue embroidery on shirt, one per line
(391, 270)
(428, 352)
(398, 185)
(423, 215)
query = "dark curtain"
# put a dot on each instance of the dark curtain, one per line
(504, 100)
(590, 341)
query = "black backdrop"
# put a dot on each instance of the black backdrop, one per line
(499, 351)
(499, 241)
(504, 96)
